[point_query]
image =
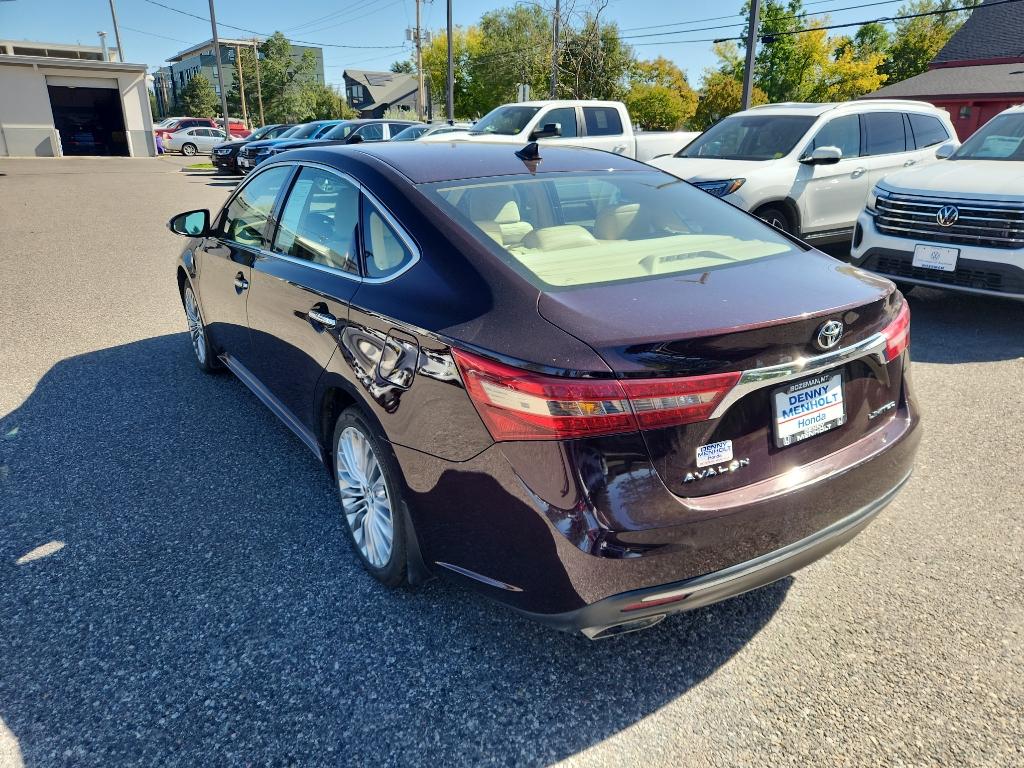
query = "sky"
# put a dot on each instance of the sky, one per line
(373, 31)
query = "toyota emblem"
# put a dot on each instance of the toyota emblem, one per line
(829, 334)
(947, 215)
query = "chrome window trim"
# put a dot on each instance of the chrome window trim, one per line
(404, 236)
(759, 378)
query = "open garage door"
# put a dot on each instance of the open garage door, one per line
(89, 119)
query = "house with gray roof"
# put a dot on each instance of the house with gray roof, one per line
(373, 94)
(978, 73)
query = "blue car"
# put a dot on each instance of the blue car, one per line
(255, 152)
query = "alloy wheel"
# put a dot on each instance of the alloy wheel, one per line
(195, 325)
(364, 497)
(188, 149)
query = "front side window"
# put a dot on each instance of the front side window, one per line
(565, 117)
(319, 221)
(340, 131)
(602, 121)
(750, 137)
(567, 230)
(883, 133)
(322, 130)
(372, 132)
(843, 132)
(245, 220)
(1001, 138)
(385, 252)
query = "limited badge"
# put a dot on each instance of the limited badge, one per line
(714, 453)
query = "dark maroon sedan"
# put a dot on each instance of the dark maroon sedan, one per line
(578, 384)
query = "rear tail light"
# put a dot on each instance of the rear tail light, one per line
(897, 334)
(521, 405)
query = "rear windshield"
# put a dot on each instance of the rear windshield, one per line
(1001, 138)
(750, 137)
(570, 230)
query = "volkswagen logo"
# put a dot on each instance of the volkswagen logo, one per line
(829, 334)
(947, 215)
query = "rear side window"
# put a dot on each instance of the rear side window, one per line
(245, 220)
(564, 116)
(843, 132)
(319, 221)
(602, 121)
(928, 130)
(385, 251)
(372, 132)
(883, 133)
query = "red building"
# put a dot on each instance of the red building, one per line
(978, 74)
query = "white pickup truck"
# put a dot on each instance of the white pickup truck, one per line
(595, 124)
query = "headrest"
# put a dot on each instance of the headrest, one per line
(613, 221)
(558, 238)
(496, 203)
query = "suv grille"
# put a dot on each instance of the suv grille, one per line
(984, 275)
(990, 225)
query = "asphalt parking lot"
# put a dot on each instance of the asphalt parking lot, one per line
(175, 588)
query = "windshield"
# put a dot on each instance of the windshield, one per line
(567, 230)
(259, 133)
(340, 131)
(1001, 138)
(750, 137)
(411, 133)
(505, 121)
(303, 131)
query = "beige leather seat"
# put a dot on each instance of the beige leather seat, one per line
(615, 221)
(495, 211)
(558, 238)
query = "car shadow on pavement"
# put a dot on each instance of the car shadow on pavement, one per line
(177, 590)
(950, 327)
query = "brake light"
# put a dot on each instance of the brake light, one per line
(897, 334)
(515, 404)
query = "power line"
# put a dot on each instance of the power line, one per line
(154, 34)
(741, 18)
(256, 32)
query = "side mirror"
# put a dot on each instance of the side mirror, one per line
(549, 130)
(946, 150)
(191, 223)
(355, 138)
(823, 156)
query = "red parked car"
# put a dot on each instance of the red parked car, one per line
(164, 129)
(236, 128)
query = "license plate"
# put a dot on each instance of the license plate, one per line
(933, 257)
(808, 408)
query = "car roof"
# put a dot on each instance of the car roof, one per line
(866, 105)
(451, 161)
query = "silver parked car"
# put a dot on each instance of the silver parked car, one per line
(192, 141)
(419, 131)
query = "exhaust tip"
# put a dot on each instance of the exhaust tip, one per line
(613, 630)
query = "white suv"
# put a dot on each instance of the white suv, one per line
(808, 168)
(958, 224)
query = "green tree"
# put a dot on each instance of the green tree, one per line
(646, 77)
(916, 41)
(871, 39)
(515, 47)
(198, 97)
(720, 96)
(322, 102)
(656, 107)
(403, 67)
(593, 61)
(288, 83)
(471, 99)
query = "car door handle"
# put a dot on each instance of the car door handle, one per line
(859, 172)
(619, 148)
(326, 319)
(241, 284)
(909, 162)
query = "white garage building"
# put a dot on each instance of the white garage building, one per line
(52, 107)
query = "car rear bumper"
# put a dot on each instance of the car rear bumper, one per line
(553, 529)
(983, 271)
(639, 609)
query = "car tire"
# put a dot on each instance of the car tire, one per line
(204, 355)
(189, 149)
(777, 217)
(371, 494)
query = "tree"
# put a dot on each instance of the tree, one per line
(656, 107)
(871, 39)
(322, 102)
(647, 77)
(515, 47)
(198, 97)
(916, 41)
(471, 98)
(593, 61)
(403, 67)
(287, 82)
(720, 96)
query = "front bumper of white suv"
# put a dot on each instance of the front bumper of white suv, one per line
(980, 269)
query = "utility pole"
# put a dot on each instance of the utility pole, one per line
(554, 49)
(241, 86)
(748, 72)
(419, 63)
(104, 53)
(450, 86)
(259, 88)
(220, 68)
(117, 33)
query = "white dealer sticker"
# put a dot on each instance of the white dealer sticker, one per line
(714, 453)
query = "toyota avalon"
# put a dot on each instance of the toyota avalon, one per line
(573, 382)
